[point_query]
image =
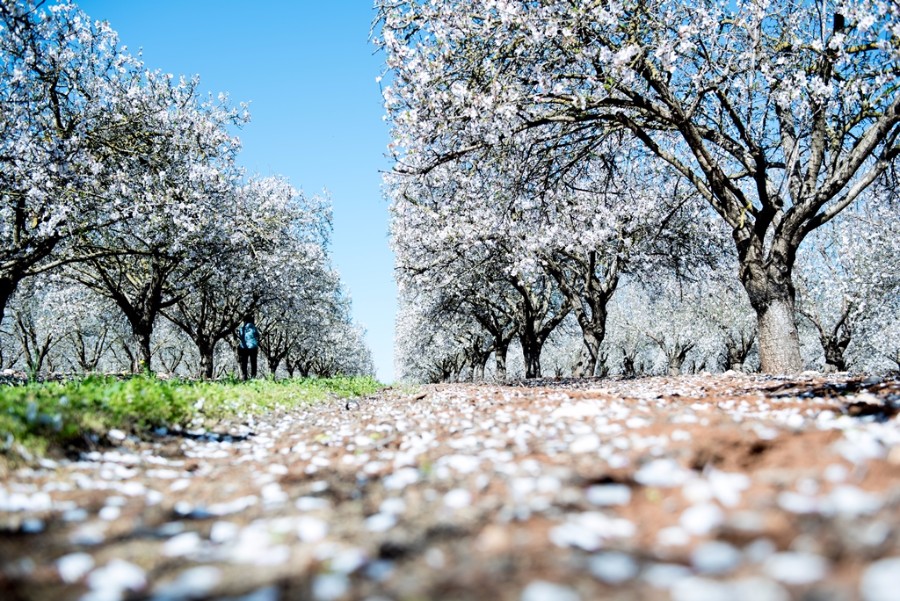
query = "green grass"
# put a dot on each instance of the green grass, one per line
(51, 417)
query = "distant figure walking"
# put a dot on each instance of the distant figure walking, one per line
(248, 345)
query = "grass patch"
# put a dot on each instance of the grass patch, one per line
(38, 418)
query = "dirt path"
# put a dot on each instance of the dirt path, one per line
(717, 487)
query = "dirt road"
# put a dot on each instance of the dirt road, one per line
(691, 488)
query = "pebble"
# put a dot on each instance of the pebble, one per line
(585, 444)
(109, 513)
(182, 544)
(850, 501)
(116, 435)
(702, 519)
(881, 580)
(613, 567)
(588, 530)
(74, 566)
(662, 473)
(605, 495)
(796, 568)
(330, 587)
(664, 575)
(541, 590)
(311, 504)
(458, 498)
(392, 505)
(190, 584)
(311, 529)
(747, 589)
(116, 577)
(32, 526)
(715, 557)
(268, 593)
(89, 534)
(380, 522)
(221, 532)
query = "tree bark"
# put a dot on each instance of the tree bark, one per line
(145, 352)
(766, 278)
(531, 349)
(591, 350)
(7, 289)
(500, 351)
(779, 342)
(207, 354)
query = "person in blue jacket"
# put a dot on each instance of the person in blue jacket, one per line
(248, 345)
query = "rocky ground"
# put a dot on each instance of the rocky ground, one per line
(691, 488)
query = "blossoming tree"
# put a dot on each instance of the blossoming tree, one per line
(779, 113)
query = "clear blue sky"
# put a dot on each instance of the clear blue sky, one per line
(309, 73)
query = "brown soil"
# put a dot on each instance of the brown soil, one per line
(735, 486)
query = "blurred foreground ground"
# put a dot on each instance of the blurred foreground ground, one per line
(691, 488)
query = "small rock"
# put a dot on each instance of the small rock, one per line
(32, 526)
(605, 495)
(380, 522)
(673, 536)
(700, 589)
(851, 501)
(118, 576)
(541, 590)
(715, 558)
(221, 532)
(181, 544)
(109, 513)
(585, 444)
(192, 583)
(458, 498)
(392, 505)
(310, 529)
(613, 567)
(881, 580)
(664, 575)
(74, 566)
(662, 473)
(330, 587)
(116, 435)
(796, 568)
(700, 520)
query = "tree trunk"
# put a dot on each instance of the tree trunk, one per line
(767, 280)
(590, 352)
(500, 352)
(834, 354)
(779, 342)
(628, 370)
(736, 351)
(531, 349)
(145, 353)
(207, 354)
(677, 357)
(478, 371)
(7, 289)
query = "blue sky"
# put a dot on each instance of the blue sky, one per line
(309, 73)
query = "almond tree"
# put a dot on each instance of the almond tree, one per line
(847, 275)
(273, 228)
(67, 151)
(779, 114)
(179, 218)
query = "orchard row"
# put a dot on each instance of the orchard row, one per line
(129, 236)
(656, 184)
